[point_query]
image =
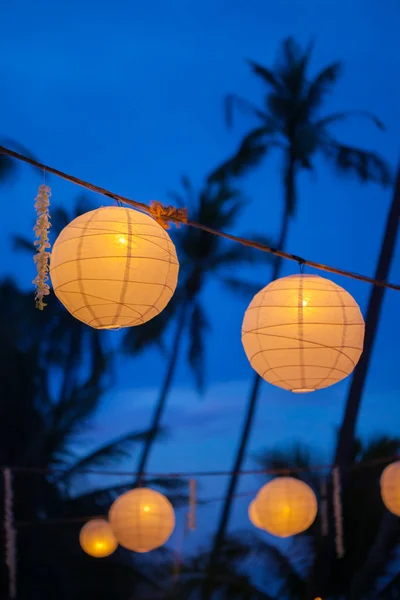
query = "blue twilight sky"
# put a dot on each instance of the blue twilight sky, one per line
(129, 95)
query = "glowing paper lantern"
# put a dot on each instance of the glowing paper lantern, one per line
(253, 515)
(114, 267)
(97, 538)
(142, 519)
(303, 333)
(390, 487)
(285, 506)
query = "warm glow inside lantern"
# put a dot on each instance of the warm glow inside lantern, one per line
(285, 506)
(253, 515)
(142, 519)
(390, 487)
(114, 267)
(303, 333)
(97, 538)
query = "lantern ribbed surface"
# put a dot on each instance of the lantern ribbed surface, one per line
(285, 506)
(303, 333)
(142, 519)
(253, 515)
(97, 538)
(114, 267)
(390, 487)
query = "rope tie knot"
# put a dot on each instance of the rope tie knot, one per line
(162, 214)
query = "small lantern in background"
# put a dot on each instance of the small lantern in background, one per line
(97, 538)
(253, 515)
(285, 506)
(390, 487)
(142, 519)
(114, 267)
(303, 333)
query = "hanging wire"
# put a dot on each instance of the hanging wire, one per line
(178, 216)
(195, 474)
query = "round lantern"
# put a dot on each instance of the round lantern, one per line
(114, 267)
(142, 519)
(97, 538)
(390, 488)
(253, 515)
(285, 506)
(303, 333)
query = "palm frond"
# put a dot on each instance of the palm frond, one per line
(267, 75)
(295, 461)
(273, 559)
(245, 288)
(7, 167)
(151, 333)
(321, 85)
(109, 453)
(343, 116)
(251, 151)
(368, 166)
(20, 243)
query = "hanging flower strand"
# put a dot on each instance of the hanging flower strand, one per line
(41, 258)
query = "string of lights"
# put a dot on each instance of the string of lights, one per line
(198, 474)
(179, 216)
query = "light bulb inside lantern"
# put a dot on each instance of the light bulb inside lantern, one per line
(122, 240)
(305, 302)
(146, 509)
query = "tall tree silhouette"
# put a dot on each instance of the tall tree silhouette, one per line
(290, 120)
(202, 256)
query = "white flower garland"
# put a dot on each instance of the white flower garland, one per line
(10, 545)
(337, 506)
(41, 258)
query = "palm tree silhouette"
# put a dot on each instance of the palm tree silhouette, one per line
(40, 419)
(291, 121)
(202, 256)
(371, 533)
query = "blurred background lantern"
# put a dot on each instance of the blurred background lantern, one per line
(97, 538)
(390, 487)
(285, 506)
(253, 515)
(114, 267)
(303, 333)
(142, 519)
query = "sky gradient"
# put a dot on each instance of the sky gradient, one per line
(130, 96)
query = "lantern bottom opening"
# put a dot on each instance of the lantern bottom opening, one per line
(303, 390)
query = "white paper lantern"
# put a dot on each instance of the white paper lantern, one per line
(97, 538)
(142, 519)
(303, 333)
(390, 487)
(285, 506)
(114, 267)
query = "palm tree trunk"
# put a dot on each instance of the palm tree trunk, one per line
(344, 449)
(346, 435)
(248, 423)
(160, 406)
